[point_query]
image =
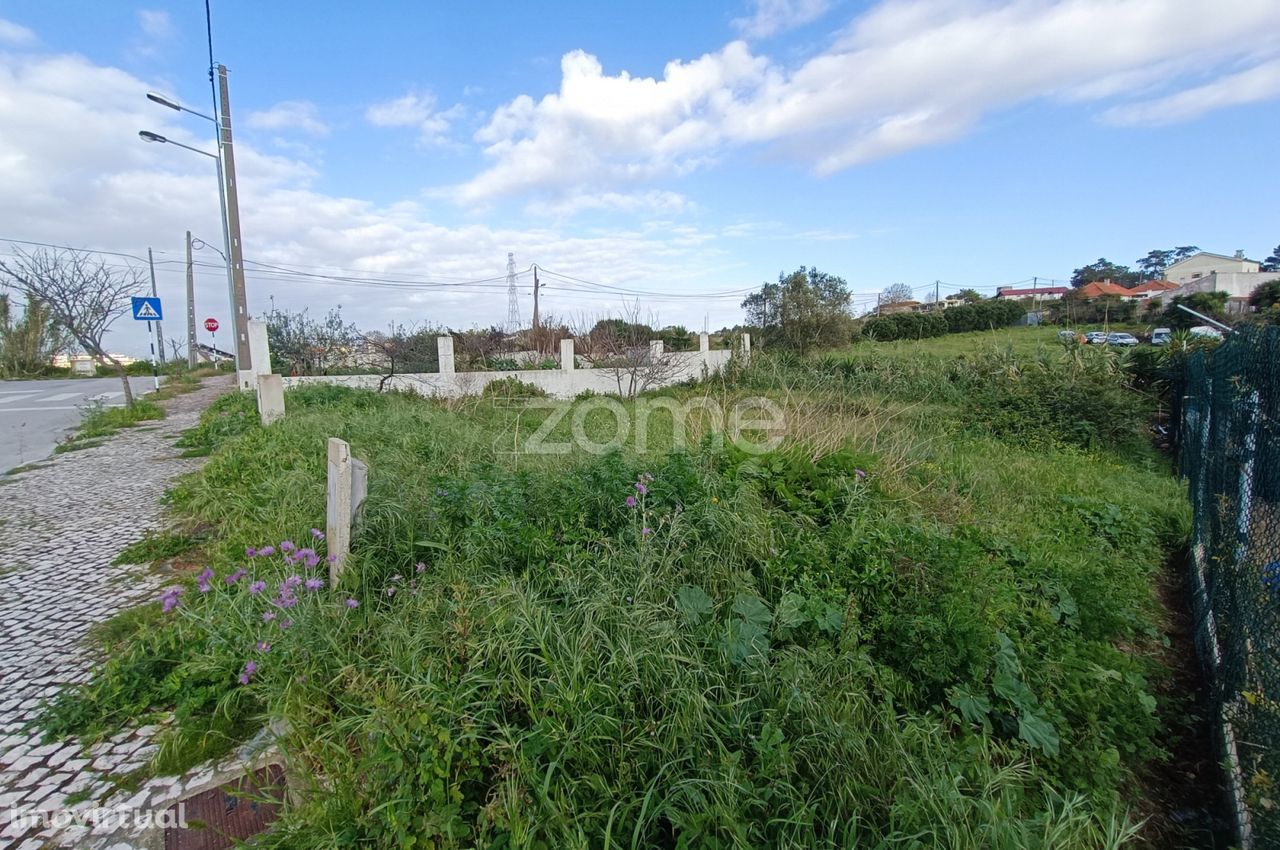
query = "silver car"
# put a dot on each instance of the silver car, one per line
(1121, 339)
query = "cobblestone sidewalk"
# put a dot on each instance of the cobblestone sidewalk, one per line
(60, 526)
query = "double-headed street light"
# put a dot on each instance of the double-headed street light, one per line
(228, 198)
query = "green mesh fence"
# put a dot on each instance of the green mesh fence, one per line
(1228, 429)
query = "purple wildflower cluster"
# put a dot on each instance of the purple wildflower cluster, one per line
(636, 500)
(286, 593)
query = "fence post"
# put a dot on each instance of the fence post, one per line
(566, 355)
(655, 350)
(270, 398)
(444, 354)
(348, 484)
(746, 348)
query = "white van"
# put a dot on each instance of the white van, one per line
(1161, 336)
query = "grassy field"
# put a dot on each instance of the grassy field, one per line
(925, 617)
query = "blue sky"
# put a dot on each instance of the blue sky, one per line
(691, 150)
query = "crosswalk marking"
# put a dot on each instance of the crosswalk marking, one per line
(17, 398)
(61, 396)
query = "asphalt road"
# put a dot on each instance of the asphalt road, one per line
(35, 415)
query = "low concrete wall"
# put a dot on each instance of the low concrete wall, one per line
(565, 382)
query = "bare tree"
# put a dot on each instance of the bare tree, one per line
(81, 292)
(623, 348)
(402, 350)
(895, 294)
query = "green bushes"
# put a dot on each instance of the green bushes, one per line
(986, 315)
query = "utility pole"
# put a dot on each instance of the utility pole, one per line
(159, 333)
(191, 308)
(240, 316)
(937, 301)
(535, 297)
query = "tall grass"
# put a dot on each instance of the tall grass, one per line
(910, 625)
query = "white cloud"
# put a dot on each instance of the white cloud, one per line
(905, 74)
(76, 173)
(156, 23)
(774, 16)
(654, 201)
(1256, 84)
(300, 115)
(414, 110)
(15, 34)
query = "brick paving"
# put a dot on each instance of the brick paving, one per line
(61, 524)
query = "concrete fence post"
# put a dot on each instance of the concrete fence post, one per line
(655, 350)
(704, 343)
(566, 355)
(746, 348)
(270, 398)
(348, 485)
(444, 353)
(259, 354)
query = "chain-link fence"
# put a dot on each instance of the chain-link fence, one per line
(1228, 406)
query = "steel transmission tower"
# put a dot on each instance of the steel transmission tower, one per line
(513, 298)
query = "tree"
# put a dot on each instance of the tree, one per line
(804, 310)
(29, 344)
(969, 296)
(1153, 265)
(1104, 269)
(1211, 304)
(402, 350)
(1267, 295)
(895, 294)
(302, 346)
(82, 294)
(1183, 251)
(1272, 263)
(622, 348)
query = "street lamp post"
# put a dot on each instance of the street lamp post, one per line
(229, 200)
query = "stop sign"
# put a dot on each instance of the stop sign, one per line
(211, 325)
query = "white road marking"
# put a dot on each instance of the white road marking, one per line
(62, 396)
(106, 396)
(51, 407)
(16, 397)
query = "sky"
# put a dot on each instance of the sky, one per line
(666, 157)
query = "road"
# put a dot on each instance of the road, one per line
(35, 415)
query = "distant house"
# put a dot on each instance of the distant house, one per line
(1205, 264)
(899, 307)
(1153, 288)
(1103, 288)
(1044, 293)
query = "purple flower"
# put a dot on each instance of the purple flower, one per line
(267, 551)
(202, 580)
(250, 552)
(304, 554)
(317, 534)
(419, 567)
(236, 576)
(641, 489)
(646, 531)
(250, 667)
(285, 601)
(333, 558)
(291, 582)
(313, 561)
(352, 603)
(314, 583)
(169, 599)
(861, 473)
(631, 501)
(258, 586)
(287, 546)
(284, 624)
(268, 616)
(263, 646)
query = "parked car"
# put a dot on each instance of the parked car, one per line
(1066, 335)
(1095, 337)
(1127, 340)
(1161, 336)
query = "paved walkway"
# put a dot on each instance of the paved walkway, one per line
(60, 527)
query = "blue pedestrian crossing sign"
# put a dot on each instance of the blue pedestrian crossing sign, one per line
(146, 309)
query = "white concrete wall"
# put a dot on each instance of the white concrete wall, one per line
(1206, 264)
(1236, 285)
(558, 383)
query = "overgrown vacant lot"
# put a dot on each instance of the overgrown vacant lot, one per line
(926, 619)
